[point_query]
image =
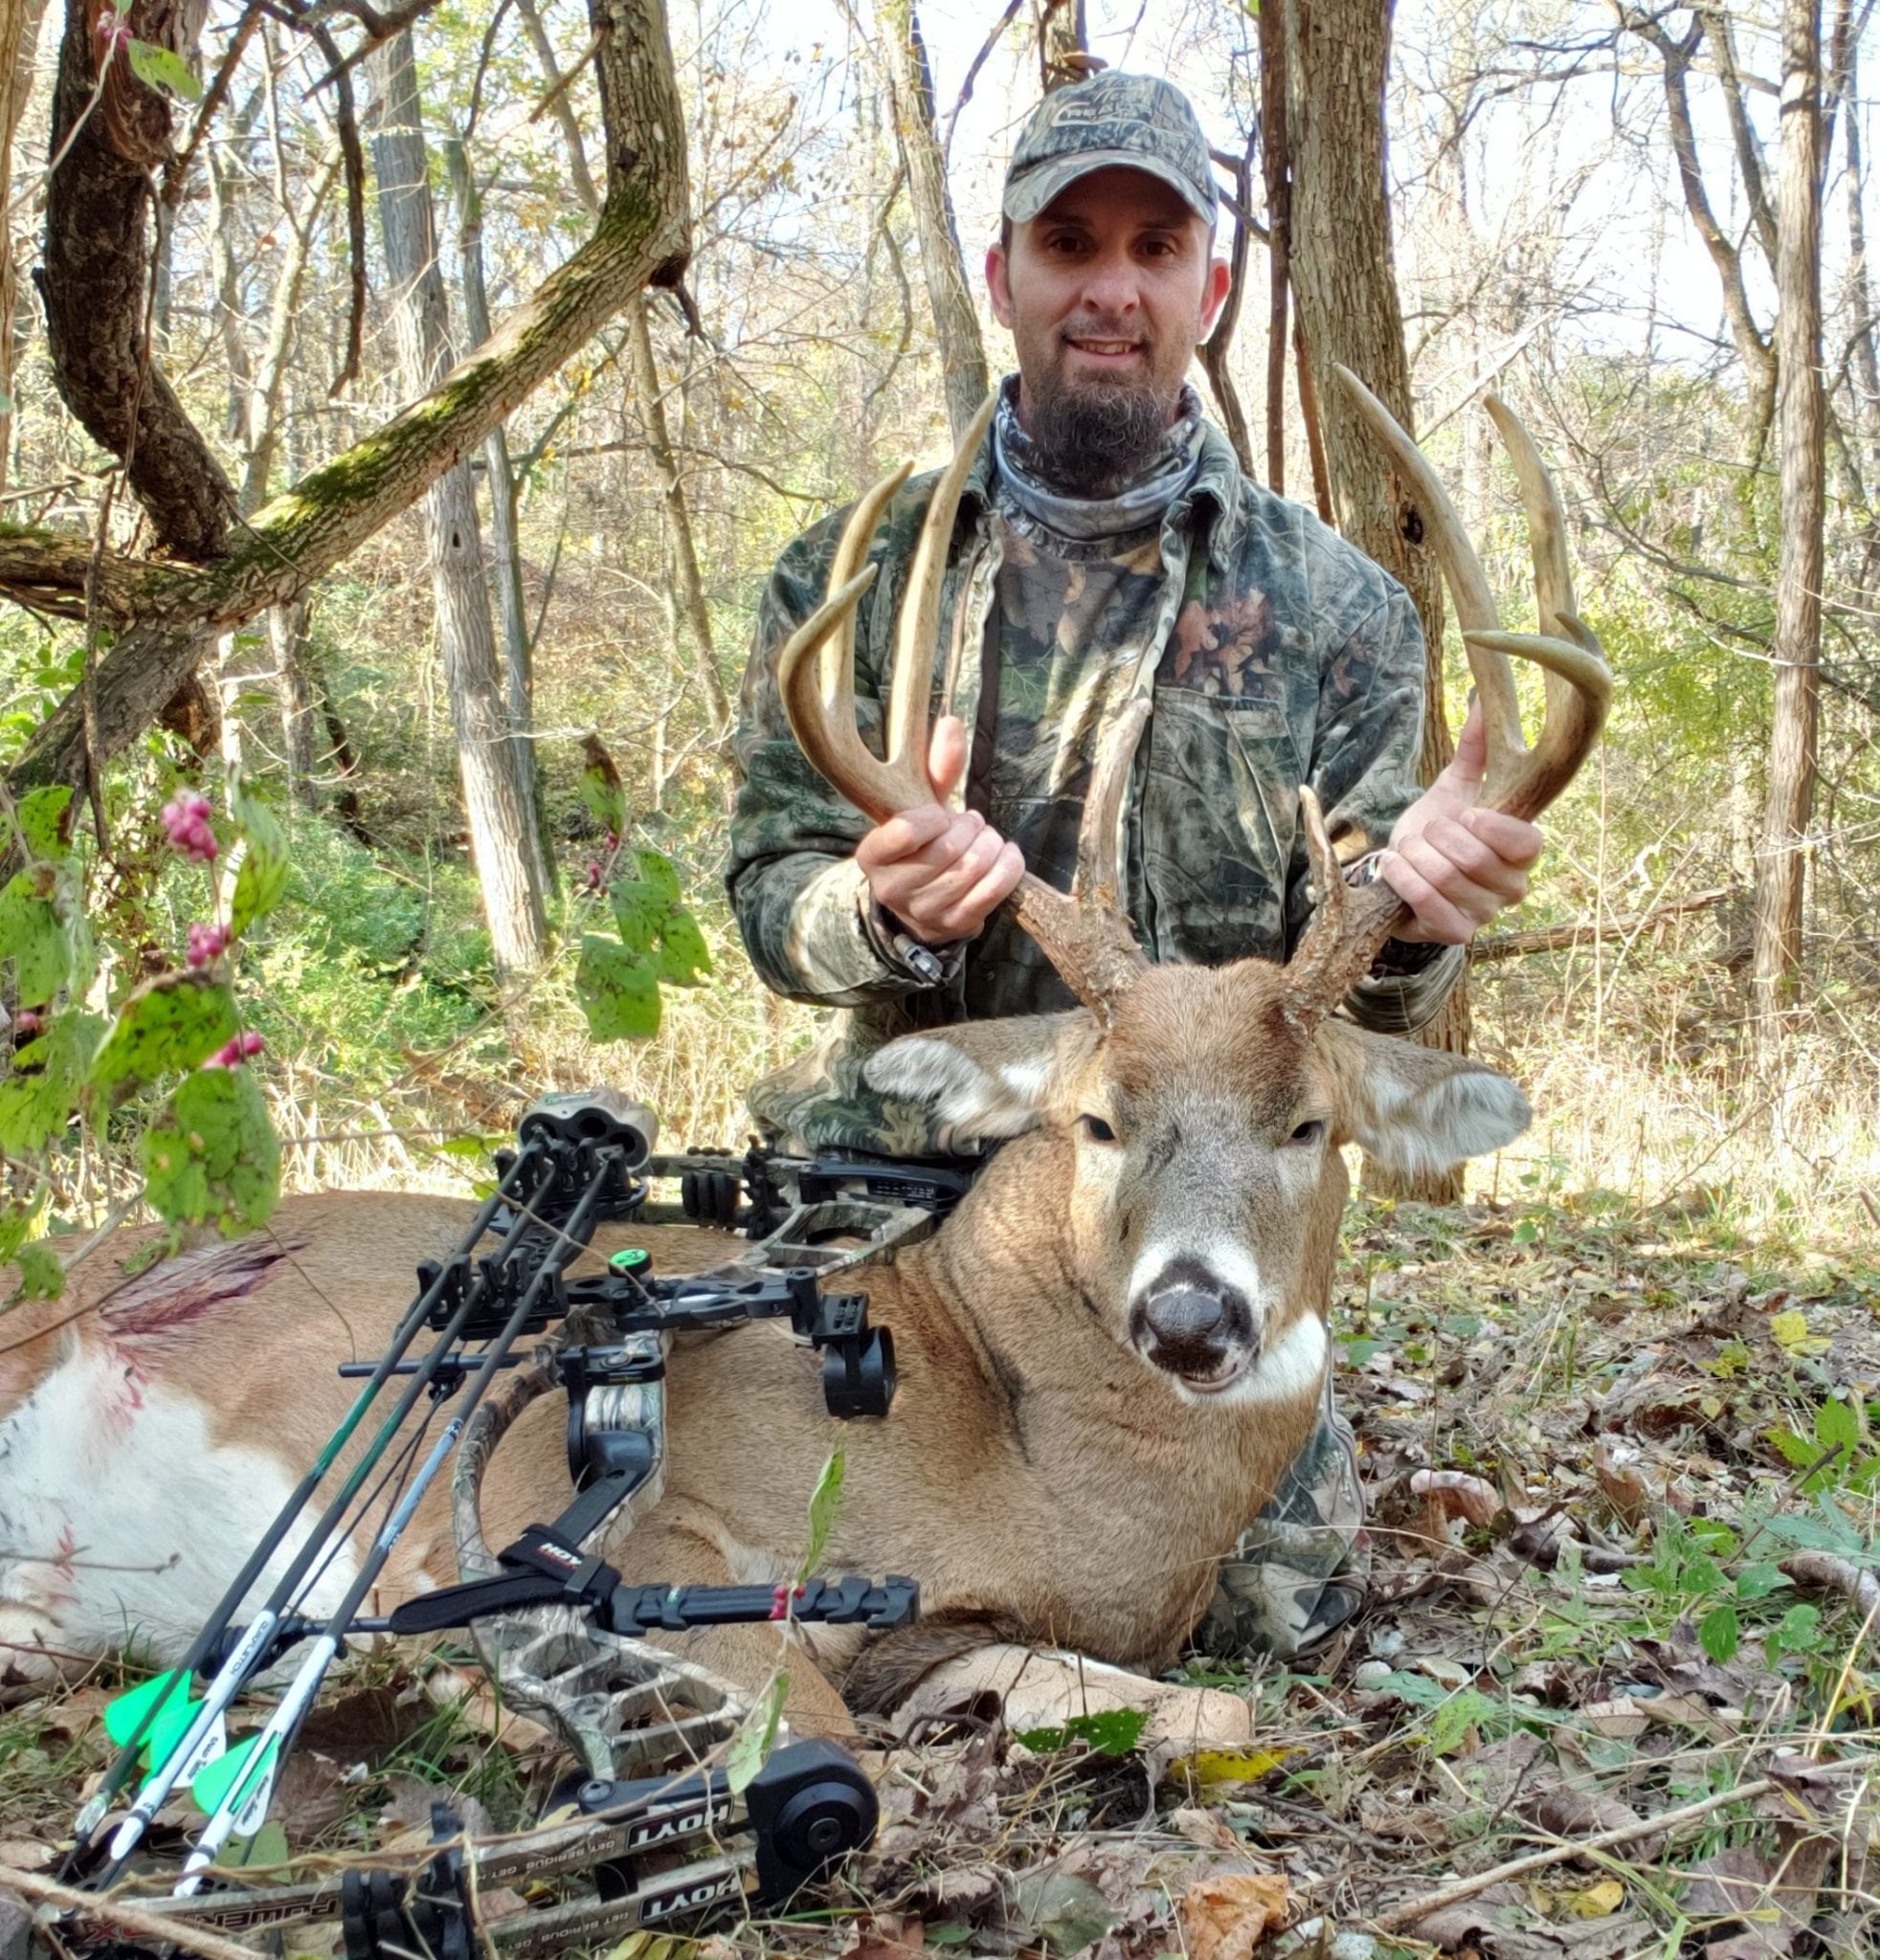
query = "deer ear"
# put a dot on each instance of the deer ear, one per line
(1417, 1109)
(983, 1078)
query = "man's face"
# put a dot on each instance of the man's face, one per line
(1107, 293)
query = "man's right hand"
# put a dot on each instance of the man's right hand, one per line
(942, 873)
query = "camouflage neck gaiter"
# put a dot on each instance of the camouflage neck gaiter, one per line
(1139, 507)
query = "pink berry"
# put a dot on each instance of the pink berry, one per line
(233, 1052)
(593, 874)
(205, 943)
(27, 1022)
(186, 818)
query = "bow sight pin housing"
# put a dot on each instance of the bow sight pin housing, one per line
(593, 1116)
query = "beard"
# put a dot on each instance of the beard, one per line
(1096, 438)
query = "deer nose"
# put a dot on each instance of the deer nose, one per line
(1184, 1314)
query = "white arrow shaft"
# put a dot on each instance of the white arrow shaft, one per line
(244, 1805)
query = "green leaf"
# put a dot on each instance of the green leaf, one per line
(601, 788)
(1719, 1631)
(41, 1276)
(159, 69)
(618, 991)
(36, 1101)
(214, 1154)
(824, 1500)
(40, 815)
(268, 1846)
(1454, 1721)
(639, 913)
(1758, 1582)
(172, 1022)
(262, 878)
(683, 958)
(1115, 1732)
(1797, 1634)
(32, 934)
(751, 1747)
(660, 873)
(16, 1223)
(1836, 1425)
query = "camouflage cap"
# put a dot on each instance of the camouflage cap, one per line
(1138, 121)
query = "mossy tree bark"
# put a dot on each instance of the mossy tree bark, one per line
(641, 236)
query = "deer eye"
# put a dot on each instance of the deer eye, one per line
(1307, 1133)
(1097, 1129)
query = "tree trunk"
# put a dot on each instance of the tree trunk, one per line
(289, 638)
(688, 596)
(1781, 857)
(1276, 167)
(95, 280)
(501, 817)
(19, 41)
(1345, 285)
(506, 540)
(641, 236)
(1063, 44)
(963, 364)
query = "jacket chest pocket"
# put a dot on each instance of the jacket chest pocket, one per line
(1217, 826)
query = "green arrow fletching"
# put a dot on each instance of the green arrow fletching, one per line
(169, 1696)
(212, 1784)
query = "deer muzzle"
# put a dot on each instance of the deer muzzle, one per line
(1191, 1324)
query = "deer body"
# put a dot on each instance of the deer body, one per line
(1108, 1354)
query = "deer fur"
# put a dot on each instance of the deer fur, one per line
(1044, 1479)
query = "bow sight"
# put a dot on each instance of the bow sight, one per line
(561, 1632)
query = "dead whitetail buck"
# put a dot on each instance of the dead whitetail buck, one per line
(1108, 1355)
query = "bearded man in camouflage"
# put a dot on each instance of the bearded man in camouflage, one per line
(1108, 545)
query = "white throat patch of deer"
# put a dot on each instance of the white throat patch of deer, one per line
(1109, 1354)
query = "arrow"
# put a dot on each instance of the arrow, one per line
(525, 1170)
(245, 1802)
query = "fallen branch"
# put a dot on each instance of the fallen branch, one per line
(1828, 1574)
(1400, 1916)
(122, 1914)
(1554, 939)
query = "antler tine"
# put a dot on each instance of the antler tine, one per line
(1099, 881)
(917, 632)
(1350, 926)
(1346, 926)
(1086, 933)
(1462, 568)
(1578, 680)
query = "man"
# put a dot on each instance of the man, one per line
(1108, 543)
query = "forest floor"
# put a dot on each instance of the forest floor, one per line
(1622, 1489)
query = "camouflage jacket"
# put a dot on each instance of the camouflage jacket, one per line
(1277, 654)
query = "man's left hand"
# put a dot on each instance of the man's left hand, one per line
(1452, 863)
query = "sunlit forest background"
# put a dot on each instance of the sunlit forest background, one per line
(1549, 246)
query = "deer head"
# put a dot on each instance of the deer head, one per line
(1193, 1116)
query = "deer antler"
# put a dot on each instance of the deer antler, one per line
(1084, 934)
(1350, 926)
